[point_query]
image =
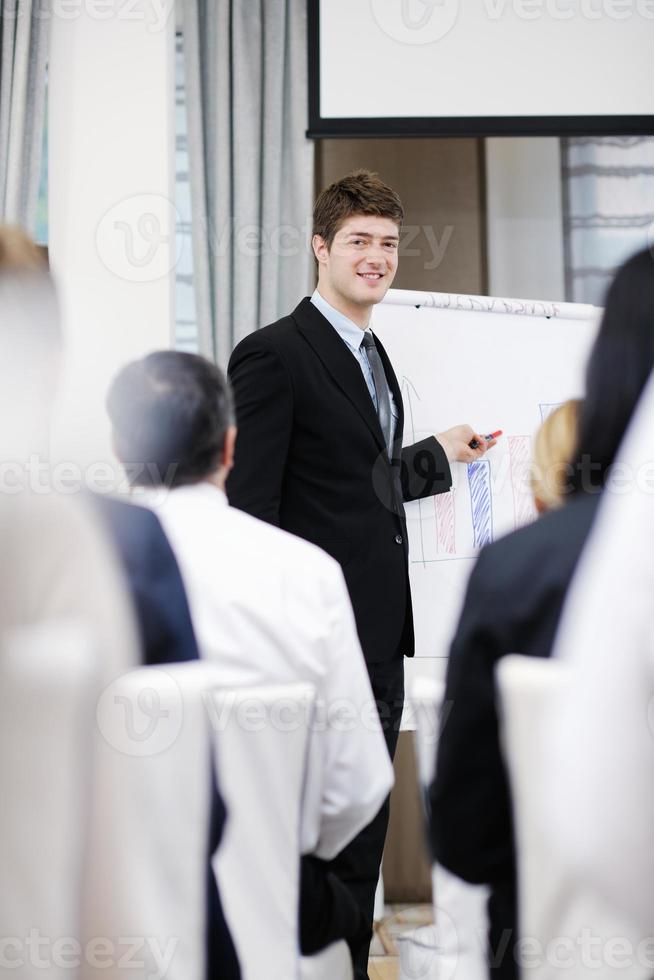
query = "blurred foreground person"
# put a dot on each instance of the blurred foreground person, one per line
(69, 617)
(267, 606)
(66, 630)
(513, 604)
(599, 779)
(61, 561)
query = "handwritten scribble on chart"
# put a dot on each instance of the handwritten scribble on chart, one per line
(546, 409)
(520, 455)
(445, 534)
(481, 502)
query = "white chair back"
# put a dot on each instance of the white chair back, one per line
(570, 928)
(332, 963)
(149, 846)
(48, 689)
(261, 740)
(454, 948)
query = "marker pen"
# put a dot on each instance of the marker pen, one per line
(492, 435)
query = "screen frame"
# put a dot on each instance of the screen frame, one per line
(451, 126)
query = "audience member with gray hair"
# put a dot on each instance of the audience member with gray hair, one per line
(266, 605)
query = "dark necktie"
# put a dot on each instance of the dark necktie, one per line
(381, 387)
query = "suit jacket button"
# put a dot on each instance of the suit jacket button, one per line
(398, 539)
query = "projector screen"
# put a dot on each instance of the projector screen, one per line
(480, 67)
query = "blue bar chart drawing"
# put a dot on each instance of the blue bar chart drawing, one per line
(481, 502)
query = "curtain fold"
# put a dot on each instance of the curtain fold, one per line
(251, 166)
(24, 41)
(608, 194)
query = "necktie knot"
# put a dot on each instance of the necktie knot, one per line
(368, 341)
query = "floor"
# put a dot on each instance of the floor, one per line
(384, 958)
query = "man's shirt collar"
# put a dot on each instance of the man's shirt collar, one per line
(344, 327)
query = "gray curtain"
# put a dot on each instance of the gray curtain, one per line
(25, 32)
(608, 193)
(251, 165)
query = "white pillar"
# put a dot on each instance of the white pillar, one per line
(111, 194)
(525, 221)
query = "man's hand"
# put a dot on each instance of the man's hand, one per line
(456, 443)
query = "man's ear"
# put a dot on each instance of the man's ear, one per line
(227, 460)
(320, 248)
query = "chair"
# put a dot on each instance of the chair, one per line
(48, 689)
(261, 752)
(556, 910)
(149, 837)
(454, 948)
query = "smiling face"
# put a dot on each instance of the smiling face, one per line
(359, 267)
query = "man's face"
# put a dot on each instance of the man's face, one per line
(362, 261)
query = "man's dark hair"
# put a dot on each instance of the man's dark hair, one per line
(361, 192)
(170, 412)
(620, 363)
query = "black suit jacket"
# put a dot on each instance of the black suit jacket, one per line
(513, 604)
(310, 457)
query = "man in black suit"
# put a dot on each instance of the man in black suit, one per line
(320, 423)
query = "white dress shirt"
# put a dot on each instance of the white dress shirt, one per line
(352, 336)
(271, 608)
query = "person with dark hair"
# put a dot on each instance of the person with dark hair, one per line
(513, 603)
(321, 419)
(267, 606)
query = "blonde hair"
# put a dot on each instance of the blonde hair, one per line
(554, 446)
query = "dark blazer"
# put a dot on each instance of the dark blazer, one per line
(155, 583)
(513, 603)
(310, 458)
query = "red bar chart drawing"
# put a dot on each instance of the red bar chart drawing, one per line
(445, 533)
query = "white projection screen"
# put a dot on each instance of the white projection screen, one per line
(481, 67)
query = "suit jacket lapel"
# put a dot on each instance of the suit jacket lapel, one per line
(339, 362)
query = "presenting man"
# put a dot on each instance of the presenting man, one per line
(320, 454)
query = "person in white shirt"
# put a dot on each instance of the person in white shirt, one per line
(598, 796)
(267, 606)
